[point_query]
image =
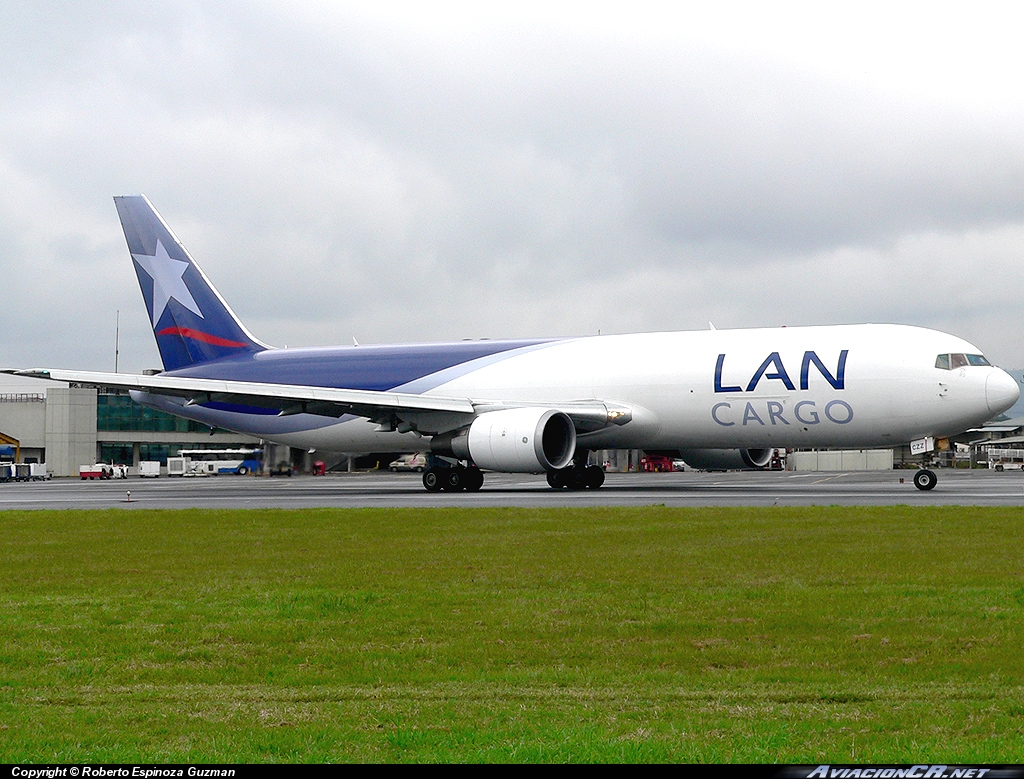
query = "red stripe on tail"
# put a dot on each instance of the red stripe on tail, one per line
(199, 335)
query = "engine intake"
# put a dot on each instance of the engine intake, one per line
(515, 440)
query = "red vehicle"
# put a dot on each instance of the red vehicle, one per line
(656, 463)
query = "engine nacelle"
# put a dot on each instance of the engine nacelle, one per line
(515, 440)
(726, 459)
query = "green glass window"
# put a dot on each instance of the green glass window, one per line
(121, 413)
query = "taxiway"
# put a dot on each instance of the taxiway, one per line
(982, 488)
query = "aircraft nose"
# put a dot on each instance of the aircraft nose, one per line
(1001, 391)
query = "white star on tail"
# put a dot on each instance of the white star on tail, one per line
(167, 281)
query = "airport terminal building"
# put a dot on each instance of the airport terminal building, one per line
(67, 427)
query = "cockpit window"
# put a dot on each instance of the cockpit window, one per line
(948, 362)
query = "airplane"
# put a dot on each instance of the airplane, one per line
(715, 398)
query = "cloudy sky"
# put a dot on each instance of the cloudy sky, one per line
(420, 172)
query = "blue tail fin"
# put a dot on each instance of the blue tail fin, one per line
(191, 321)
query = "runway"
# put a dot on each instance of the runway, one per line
(874, 488)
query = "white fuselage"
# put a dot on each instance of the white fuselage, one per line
(832, 386)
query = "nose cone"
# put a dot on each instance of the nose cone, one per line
(1001, 391)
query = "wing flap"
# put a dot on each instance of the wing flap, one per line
(281, 396)
(426, 414)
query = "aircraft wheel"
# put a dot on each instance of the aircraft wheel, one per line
(925, 479)
(432, 479)
(593, 477)
(556, 479)
(453, 479)
(576, 478)
(473, 479)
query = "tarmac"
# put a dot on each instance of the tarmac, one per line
(384, 489)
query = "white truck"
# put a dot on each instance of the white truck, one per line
(179, 466)
(1004, 459)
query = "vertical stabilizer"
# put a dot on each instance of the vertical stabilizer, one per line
(190, 319)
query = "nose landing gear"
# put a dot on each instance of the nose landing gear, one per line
(925, 479)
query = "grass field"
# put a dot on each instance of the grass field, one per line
(652, 634)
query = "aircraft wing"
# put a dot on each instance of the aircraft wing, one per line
(427, 414)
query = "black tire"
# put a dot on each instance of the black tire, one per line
(925, 479)
(242, 470)
(556, 480)
(576, 478)
(593, 477)
(999, 468)
(453, 480)
(432, 480)
(473, 479)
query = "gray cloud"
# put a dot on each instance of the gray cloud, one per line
(339, 175)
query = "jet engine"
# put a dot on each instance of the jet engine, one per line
(515, 440)
(726, 459)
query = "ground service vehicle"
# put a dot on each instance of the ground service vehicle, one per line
(1004, 458)
(213, 462)
(657, 463)
(416, 461)
(103, 471)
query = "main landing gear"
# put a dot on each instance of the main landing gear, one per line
(456, 478)
(577, 477)
(925, 479)
(453, 479)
